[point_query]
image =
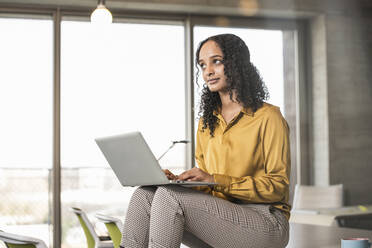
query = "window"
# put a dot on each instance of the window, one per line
(26, 69)
(128, 77)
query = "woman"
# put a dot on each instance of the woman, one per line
(243, 146)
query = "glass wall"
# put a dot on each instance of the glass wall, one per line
(125, 77)
(26, 83)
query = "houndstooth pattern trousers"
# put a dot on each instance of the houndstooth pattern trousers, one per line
(165, 216)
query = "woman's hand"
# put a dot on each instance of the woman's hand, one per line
(196, 174)
(170, 175)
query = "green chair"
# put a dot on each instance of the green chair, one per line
(93, 240)
(18, 241)
(114, 227)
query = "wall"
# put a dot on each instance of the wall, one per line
(349, 69)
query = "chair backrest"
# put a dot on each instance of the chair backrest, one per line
(114, 227)
(311, 197)
(18, 241)
(90, 233)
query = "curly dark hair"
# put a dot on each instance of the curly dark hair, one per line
(241, 76)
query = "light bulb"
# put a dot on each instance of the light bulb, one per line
(101, 15)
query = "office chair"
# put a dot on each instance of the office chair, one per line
(313, 197)
(114, 227)
(93, 240)
(18, 241)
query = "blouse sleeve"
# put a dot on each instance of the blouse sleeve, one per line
(199, 157)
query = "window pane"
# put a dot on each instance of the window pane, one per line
(26, 80)
(125, 78)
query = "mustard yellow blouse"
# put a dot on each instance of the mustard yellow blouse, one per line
(249, 157)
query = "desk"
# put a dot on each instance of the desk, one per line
(313, 236)
(346, 216)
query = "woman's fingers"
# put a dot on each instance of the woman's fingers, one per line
(192, 175)
(185, 175)
(169, 174)
(196, 174)
(194, 179)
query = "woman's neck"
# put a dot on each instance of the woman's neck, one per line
(230, 108)
(227, 103)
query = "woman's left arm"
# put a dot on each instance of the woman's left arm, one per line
(273, 184)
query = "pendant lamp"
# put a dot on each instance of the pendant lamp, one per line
(101, 15)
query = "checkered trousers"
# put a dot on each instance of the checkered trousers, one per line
(165, 216)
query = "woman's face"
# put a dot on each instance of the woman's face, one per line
(211, 64)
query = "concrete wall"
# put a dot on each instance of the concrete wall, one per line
(342, 100)
(349, 70)
(340, 43)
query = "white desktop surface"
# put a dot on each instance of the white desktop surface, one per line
(327, 217)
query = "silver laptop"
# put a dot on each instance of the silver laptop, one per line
(133, 162)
